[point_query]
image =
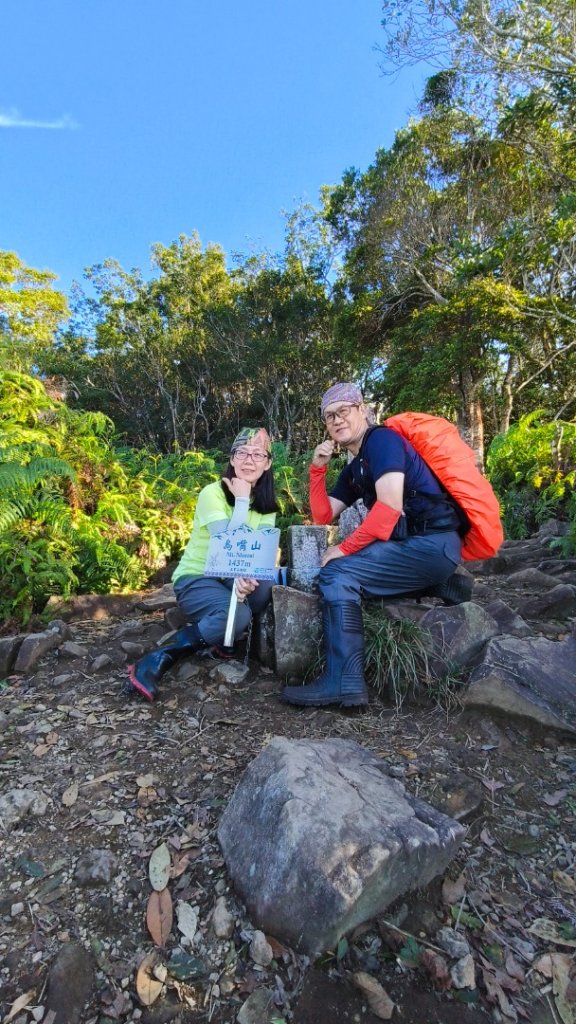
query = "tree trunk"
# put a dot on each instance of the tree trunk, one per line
(507, 395)
(471, 417)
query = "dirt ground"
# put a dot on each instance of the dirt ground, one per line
(124, 776)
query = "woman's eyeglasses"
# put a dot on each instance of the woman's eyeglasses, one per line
(244, 453)
(343, 413)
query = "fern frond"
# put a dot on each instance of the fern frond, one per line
(10, 514)
(16, 477)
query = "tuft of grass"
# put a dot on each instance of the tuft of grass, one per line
(399, 662)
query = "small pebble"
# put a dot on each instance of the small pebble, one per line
(261, 950)
(463, 973)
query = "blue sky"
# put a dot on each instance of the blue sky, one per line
(128, 122)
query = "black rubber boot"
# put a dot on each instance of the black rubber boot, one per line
(147, 672)
(342, 681)
(455, 590)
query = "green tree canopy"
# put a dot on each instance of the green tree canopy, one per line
(31, 311)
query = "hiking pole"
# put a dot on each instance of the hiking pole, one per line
(228, 645)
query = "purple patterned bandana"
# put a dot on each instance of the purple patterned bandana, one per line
(341, 393)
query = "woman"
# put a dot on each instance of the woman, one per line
(244, 496)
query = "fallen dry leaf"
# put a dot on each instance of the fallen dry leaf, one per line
(19, 1004)
(180, 863)
(377, 998)
(148, 988)
(70, 795)
(159, 867)
(187, 920)
(277, 948)
(437, 968)
(561, 983)
(515, 970)
(509, 982)
(550, 932)
(565, 881)
(185, 994)
(159, 916)
(497, 995)
(146, 795)
(545, 963)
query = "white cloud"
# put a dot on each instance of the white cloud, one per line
(13, 119)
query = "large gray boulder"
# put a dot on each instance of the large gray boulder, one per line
(531, 677)
(318, 838)
(557, 603)
(158, 601)
(532, 581)
(459, 633)
(513, 555)
(559, 567)
(9, 647)
(35, 646)
(553, 528)
(71, 981)
(508, 620)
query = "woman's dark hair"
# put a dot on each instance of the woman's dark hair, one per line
(263, 496)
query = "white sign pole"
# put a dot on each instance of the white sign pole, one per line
(231, 620)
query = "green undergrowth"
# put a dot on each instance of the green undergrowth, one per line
(533, 470)
(82, 513)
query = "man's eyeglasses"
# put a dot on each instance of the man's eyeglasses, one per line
(342, 413)
(244, 453)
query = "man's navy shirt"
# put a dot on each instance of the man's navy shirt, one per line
(384, 451)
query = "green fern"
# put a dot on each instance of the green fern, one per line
(15, 476)
(532, 469)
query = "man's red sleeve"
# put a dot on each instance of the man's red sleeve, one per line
(378, 525)
(320, 506)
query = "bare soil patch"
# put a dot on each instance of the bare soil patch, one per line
(124, 777)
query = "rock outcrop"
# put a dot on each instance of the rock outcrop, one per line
(318, 839)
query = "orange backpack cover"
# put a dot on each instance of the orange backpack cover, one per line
(452, 461)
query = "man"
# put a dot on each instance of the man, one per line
(408, 542)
